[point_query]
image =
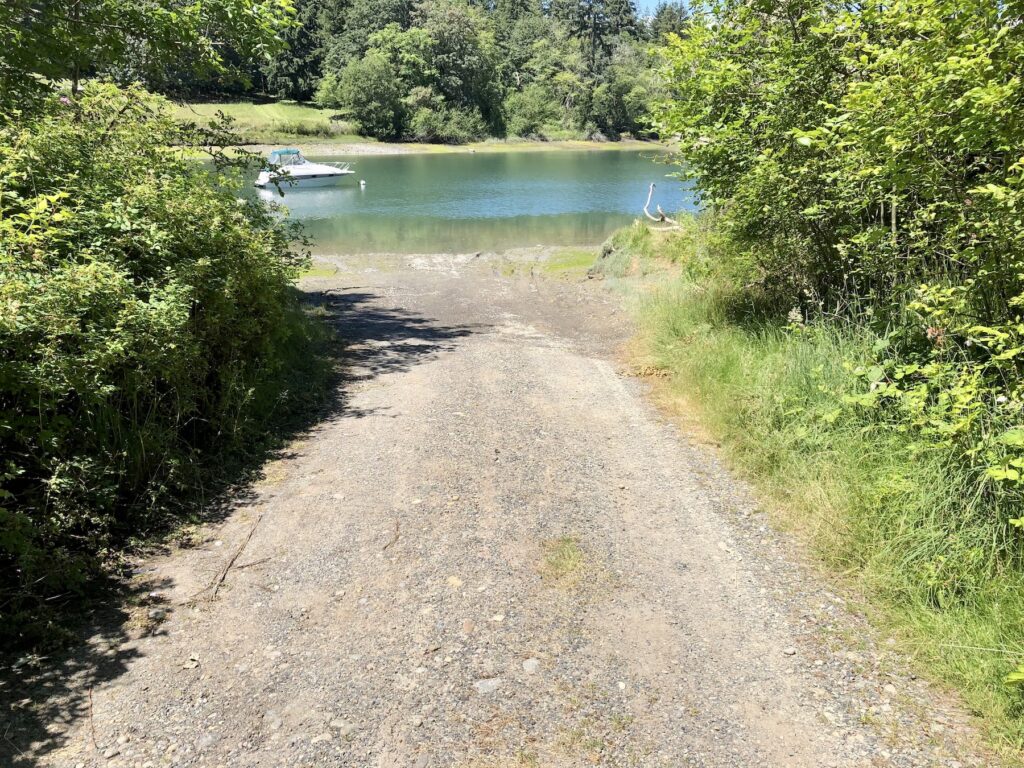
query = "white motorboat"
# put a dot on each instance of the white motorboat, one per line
(288, 168)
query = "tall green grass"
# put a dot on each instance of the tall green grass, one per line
(273, 122)
(903, 526)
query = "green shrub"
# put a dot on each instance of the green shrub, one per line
(530, 110)
(147, 320)
(369, 90)
(449, 125)
(865, 162)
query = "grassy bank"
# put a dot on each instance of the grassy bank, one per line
(275, 122)
(263, 126)
(903, 526)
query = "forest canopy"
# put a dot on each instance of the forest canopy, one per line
(43, 42)
(457, 70)
(450, 70)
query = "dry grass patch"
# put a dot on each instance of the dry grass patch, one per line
(564, 562)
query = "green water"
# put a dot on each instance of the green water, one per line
(481, 201)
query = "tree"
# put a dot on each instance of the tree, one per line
(669, 18)
(620, 19)
(460, 64)
(370, 90)
(553, 71)
(70, 39)
(361, 19)
(507, 12)
(432, 81)
(531, 110)
(296, 72)
(597, 24)
(463, 54)
(630, 84)
(521, 43)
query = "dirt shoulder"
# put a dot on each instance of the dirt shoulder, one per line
(495, 552)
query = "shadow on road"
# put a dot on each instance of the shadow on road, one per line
(379, 339)
(41, 697)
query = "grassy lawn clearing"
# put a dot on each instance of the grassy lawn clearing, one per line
(275, 122)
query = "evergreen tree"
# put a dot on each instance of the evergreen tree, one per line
(620, 19)
(361, 19)
(453, 70)
(507, 13)
(669, 18)
(296, 72)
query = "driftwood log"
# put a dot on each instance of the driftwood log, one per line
(661, 218)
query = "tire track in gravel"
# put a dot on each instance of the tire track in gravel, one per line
(485, 424)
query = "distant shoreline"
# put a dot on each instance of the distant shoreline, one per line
(339, 148)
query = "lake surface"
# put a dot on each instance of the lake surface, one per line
(463, 202)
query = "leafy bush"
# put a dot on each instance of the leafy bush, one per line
(369, 91)
(867, 162)
(449, 125)
(146, 322)
(530, 110)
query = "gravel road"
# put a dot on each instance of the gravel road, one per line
(495, 552)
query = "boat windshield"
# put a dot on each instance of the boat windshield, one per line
(285, 157)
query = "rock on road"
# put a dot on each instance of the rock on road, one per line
(494, 552)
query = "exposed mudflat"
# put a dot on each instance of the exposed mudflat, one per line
(494, 552)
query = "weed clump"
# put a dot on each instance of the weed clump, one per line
(564, 561)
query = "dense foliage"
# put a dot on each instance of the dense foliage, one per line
(870, 161)
(451, 70)
(148, 323)
(146, 317)
(454, 70)
(867, 163)
(56, 40)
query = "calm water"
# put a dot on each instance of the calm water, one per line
(481, 202)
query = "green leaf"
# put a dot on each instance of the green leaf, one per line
(1016, 677)
(1012, 437)
(1000, 473)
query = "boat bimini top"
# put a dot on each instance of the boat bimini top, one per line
(286, 156)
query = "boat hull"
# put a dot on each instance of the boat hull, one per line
(302, 182)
